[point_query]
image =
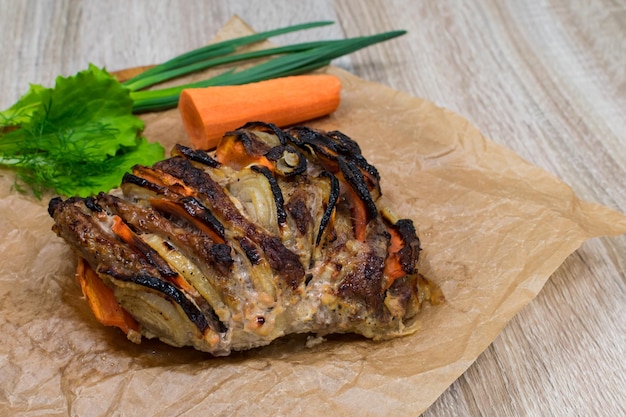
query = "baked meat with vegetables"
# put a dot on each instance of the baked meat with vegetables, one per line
(275, 232)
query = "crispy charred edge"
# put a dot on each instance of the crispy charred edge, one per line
(245, 134)
(351, 149)
(126, 233)
(128, 236)
(173, 294)
(355, 179)
(158, 182)
(150, 220)
(337, 153)
(403, 282)
(57, 203)
(259, 152)
(251, 143)
(283, 137)
(88, 234)
(75, 223)
(313, 141)
(195, 155)
(281, 259)
(342, 156)
(176, 201)
(277, 153)
(196, 209)
(249, 249)
(403, 249)
(189, 208)
(129, 178)
(334, 144)
(408, 255)
(281, 215)
(53, 205)
(333, 197)
(92, 205)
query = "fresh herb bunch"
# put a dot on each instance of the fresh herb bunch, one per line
(81, 136)
(77, 138)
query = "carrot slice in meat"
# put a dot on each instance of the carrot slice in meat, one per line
(359, 215)
(402, 251)
(180, 209)
(208, 113)
(233, 153)
(162, 178)
(393, 267)
(102, 301)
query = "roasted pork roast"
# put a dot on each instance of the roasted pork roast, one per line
(273, 233)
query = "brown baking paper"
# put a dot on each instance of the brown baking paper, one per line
(493, 228)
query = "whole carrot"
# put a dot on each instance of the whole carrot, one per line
(208, 113)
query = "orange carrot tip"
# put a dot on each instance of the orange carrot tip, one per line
(208, 113)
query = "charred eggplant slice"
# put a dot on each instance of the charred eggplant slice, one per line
(275, 232)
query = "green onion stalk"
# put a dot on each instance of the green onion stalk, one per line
(286, 60)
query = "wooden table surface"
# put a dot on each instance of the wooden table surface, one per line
(547, 79)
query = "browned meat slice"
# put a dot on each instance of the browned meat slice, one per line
(276, 232)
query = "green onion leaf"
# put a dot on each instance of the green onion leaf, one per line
(220, 49)
(306, 60)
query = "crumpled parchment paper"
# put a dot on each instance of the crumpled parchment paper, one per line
(493, 228)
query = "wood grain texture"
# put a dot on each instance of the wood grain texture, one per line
(547, 79)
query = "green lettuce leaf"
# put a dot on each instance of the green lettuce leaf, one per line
(77, 138)
(23, 110)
